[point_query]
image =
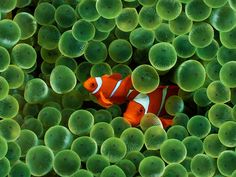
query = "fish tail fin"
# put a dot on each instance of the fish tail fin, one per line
(166, 122)
(173, 90)
(132, 94)
(128, 82)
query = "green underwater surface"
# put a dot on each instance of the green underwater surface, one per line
(50, 125)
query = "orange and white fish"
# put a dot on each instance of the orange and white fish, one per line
(153, 102)
(109, 89)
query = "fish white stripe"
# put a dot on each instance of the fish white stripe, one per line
(130, 91)
(116, 87)
(99, 83)
(164, 93)
(144, 100)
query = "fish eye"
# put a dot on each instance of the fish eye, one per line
(92, 84)
(140, 110)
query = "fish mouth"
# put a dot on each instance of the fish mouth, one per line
(86, 85)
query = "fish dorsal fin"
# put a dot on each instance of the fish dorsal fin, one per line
(144, 100)
(116, 76)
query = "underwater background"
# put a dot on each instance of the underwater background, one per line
(50, 125)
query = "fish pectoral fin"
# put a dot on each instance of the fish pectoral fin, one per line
(132, 122)
(131, 119)
(166, 122)
(104, 101)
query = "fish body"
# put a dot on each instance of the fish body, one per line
(109, 89)
(153, 102)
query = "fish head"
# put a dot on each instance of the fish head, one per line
(90, 84)
(134, 112)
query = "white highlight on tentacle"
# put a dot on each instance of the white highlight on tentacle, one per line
(116, 87)
(99, 83)
(144, 100)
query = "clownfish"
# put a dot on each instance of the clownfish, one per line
(153, 102)
(109, 89)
